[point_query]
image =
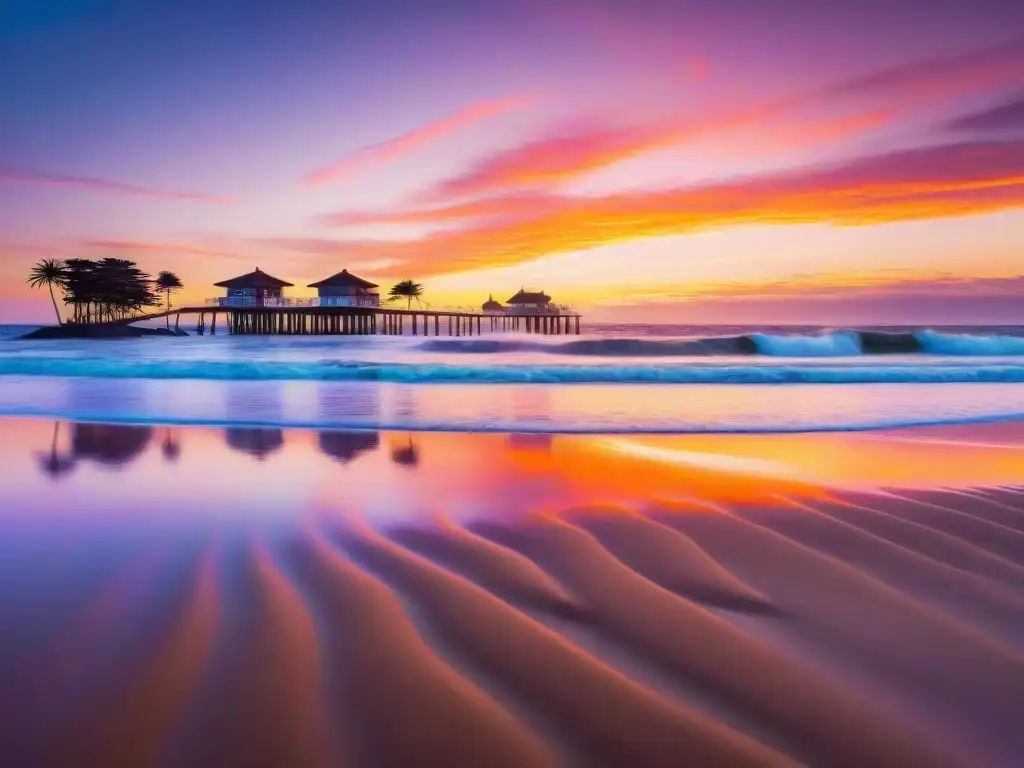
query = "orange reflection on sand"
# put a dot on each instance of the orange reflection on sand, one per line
(603, 470)
(957, 457)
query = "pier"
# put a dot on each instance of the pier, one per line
(348, 305)
(294, 319)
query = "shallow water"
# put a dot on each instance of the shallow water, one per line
(623, 380)
(634, 408)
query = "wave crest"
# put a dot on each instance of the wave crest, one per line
(838, 343)
(966, 344)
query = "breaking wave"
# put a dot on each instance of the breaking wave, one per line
(840, 343)
(964, 344)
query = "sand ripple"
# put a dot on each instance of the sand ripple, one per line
(864, 630)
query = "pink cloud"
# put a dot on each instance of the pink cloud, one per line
(505, 207)
(557, 159)
(148, 246)
(927, 183)
(11, 176)
(393, 149)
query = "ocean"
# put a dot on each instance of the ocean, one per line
(613, 378)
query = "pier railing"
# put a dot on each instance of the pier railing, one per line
(232, 302)
(374, 302)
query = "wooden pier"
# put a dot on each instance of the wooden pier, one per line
(365, 321)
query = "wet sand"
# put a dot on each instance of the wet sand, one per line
(803, 624)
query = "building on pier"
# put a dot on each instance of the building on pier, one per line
(492, 307)
(529, 301)
(346, 290)
(256, 288)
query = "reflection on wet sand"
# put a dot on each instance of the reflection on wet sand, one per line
(407, 455)
(345, 446)
(113, 445)
(257, 442)
(170, 447)
(601, 601)
(55, 464)
(255, 404)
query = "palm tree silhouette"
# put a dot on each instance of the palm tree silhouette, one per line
(406, 289)
(54, 464)
(168, 282)
(49, 272)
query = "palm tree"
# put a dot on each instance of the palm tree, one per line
(107, 290)
(49, 272)
(406, 289)
(168, 282)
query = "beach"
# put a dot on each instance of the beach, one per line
(200, 595)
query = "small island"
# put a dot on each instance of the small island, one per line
(102, 294)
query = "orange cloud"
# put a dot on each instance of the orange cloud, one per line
(393, 149)
(11, 176)
(933, 182)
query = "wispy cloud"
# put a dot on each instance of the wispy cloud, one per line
(151, 246)
(893, 296)
(553, 160)
(1008, 116)
(14, 176)
(944, 76)
(556, 159)
(21, 249)
(504, 207)
(393, 149)
(933, 182)
(891, 283)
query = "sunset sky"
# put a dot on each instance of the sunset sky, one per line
(736, 161)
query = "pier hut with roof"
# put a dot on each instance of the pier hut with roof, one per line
(254, 288)
(492, 307)
(529, 302)
(346, 290)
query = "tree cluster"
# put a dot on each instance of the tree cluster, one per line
(104, 290)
